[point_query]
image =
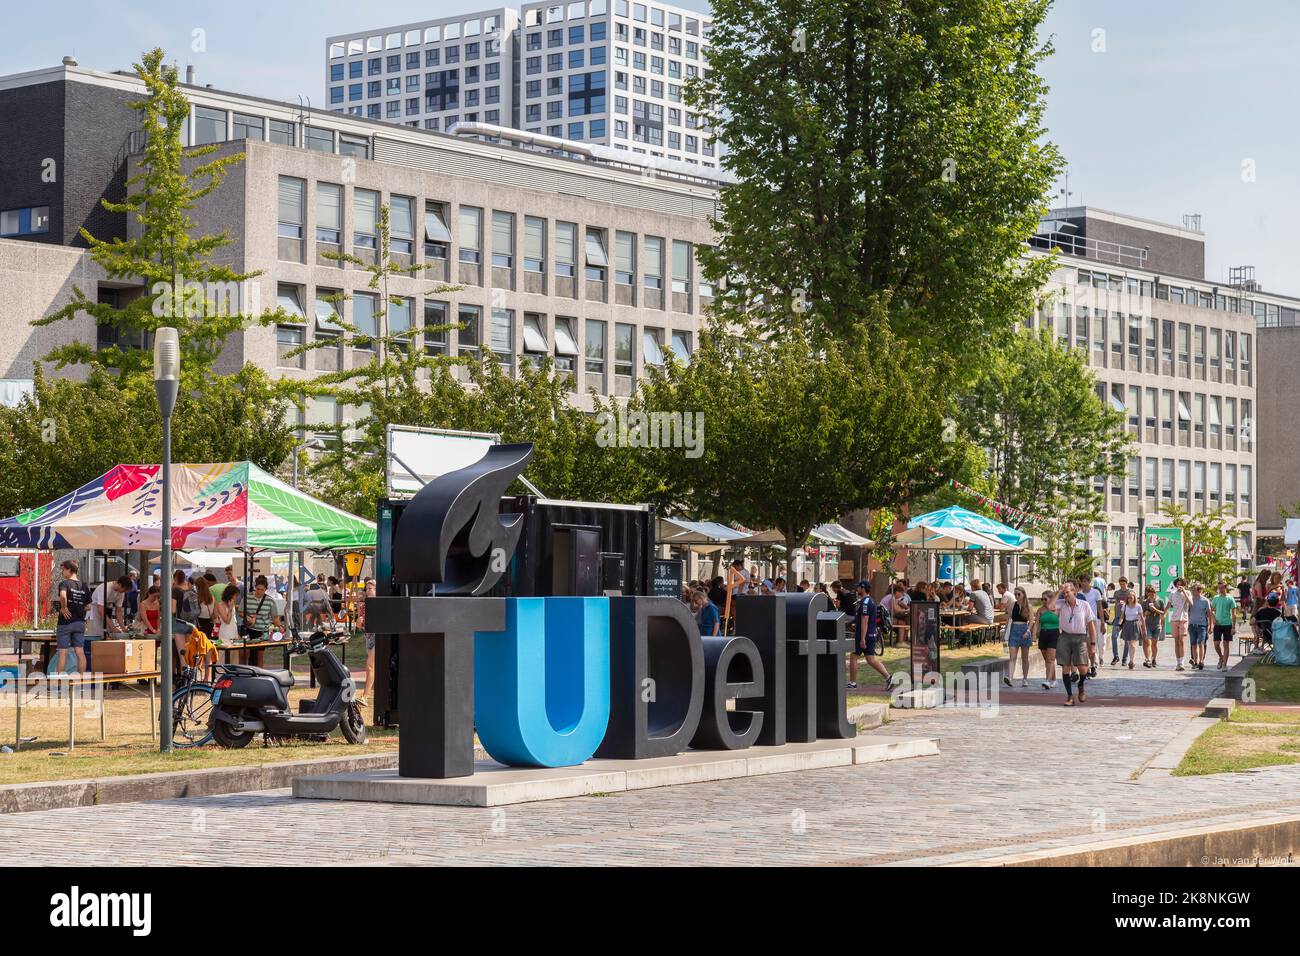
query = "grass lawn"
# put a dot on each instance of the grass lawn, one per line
(128, 749)
(1247, 740)
(896, 660)
(1277, 684)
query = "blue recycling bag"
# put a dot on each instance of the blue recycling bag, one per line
(1286, 643)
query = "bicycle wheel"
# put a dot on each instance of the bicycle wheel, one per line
(191, 708)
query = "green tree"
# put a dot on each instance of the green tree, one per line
(185, 286)
(1045, 433)
(1208, 555)
(864, 423)
(67, 433)
(886, 152)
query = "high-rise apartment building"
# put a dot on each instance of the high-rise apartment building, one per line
(608, 72)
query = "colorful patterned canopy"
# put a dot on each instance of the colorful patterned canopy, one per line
(220, 506)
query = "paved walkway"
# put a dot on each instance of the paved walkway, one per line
(1030, 777)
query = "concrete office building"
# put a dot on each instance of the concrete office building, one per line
(1173, 351)
(1279, 428)
(587, 261)
(608, 72)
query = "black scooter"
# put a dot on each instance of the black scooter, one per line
(251, 700)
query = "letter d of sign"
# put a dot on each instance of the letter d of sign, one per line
(541, 686)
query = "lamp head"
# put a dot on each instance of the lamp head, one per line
(166, 355)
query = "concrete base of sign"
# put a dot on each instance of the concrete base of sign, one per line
(922, 698)
(493, 785)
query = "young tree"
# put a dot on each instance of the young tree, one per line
(1063, 555)
(1207, 543)
(885, 152)
(184, 285)
(866, 426)
(1046, 434)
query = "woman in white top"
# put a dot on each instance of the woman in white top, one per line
(224, 613)
(1132, 619)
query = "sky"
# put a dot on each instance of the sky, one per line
(1161, 107)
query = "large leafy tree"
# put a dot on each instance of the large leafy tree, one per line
(865, 422)
(887, 151)
(1046, 434)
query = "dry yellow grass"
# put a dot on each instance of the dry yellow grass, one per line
(128, 748)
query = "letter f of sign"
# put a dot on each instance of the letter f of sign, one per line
(452, 533)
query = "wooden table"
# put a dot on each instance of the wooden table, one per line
(64, 685)
(46, 641)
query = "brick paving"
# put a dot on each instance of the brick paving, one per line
(1026, 778)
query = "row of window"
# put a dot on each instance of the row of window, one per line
(1196, 486)
(435, 34)
(1190, 419)
(1267, 313)
(1143, 343)
(217, 126)
(442, 328)
(536, 15)
(437, 237)
(30, 221)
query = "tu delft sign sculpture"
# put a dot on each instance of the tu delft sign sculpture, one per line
(552, 681)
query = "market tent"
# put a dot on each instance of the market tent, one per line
(926, 538)
(224, 506)
(834, 533)
(962, 518)
(677, 531)
(1292, 533)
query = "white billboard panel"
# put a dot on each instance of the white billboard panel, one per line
(418, 455)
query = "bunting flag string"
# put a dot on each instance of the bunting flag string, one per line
(1012, 513)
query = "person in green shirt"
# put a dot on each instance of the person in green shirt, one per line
(1046, 626)
(1224, 605)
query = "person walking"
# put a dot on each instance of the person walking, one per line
(1198, 626)
(1224, 608)
(1153, 616)
(70, 632)
(1180, 602)
(1078, 630)
(1122, 593)
(1130, 615)
(1047, 625)
(1019, 639)
(867, 630)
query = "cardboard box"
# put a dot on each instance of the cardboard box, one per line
(123, 657)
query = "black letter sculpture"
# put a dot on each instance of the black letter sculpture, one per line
(732, 671)
(453, 534)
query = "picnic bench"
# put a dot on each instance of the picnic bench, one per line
(65, 684)
(28, 641)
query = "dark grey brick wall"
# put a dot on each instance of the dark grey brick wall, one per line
(84, 128)
(1278, 351)
(32, 120)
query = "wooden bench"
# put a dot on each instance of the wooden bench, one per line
(66, 684)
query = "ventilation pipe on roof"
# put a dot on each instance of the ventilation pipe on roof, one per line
(190, 75)
(69, 61)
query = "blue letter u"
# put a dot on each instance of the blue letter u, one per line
(541, 686)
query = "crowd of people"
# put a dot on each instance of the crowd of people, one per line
(1069, 623)
(206, 612)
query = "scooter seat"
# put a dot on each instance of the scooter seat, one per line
(283, 678)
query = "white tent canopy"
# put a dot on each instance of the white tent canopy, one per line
(926, 538)
(835, 533)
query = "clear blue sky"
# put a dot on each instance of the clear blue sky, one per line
(1158, 125)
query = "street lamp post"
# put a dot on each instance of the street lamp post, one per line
(1142, 547)
(166, 383)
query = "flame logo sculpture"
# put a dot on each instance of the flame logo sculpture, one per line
(452, 532)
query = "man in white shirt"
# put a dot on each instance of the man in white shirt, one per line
(1078, 628)
(1180, 602)
(1088, 591)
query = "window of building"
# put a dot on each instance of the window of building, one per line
(681, 266)
(625, 258)
(210, 125)
(503, 240)
(471, 234)
(624, 344)
(596, 261)
(437, 237)
(365, 209)
(534, 244)
(30, 221)
(401, 225)
(329, 214)
(535, 335)
(469, 336)
(282, 132)
(566, 249)
(682, 346)
(653, 262)
(503, 335)
(566, 344)
(436, 326)
(320, 140)
(364, 307)
(652, 346)
(595, 346)
(292, 214)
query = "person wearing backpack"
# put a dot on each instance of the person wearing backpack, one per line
(70, 633)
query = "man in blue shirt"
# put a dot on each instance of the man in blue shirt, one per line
(867, 629)
(1198, 625)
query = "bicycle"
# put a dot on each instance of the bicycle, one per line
(191, 708)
